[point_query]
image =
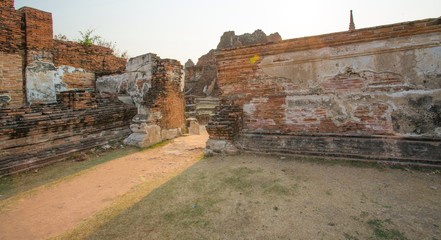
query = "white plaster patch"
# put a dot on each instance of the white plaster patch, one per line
(414, 92)
(249, 108)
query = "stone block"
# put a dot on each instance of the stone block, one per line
(151, 136)
(215, 147)
(170, 133)
(194, 127)
(139, 128)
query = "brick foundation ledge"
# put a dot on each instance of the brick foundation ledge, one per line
(424, 152)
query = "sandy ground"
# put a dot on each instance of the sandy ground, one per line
(52, 211)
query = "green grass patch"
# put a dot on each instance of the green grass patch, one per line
(383, 233)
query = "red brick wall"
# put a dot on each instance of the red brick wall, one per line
(166, 96)
(312, 95)
(7, 4)
(269, 105)
(10, 30)
(38, 31)
(11, 78)
(94, 58)
(79, 80)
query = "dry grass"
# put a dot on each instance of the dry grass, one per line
(262, 197)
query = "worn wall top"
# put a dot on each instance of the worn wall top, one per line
(94, 58)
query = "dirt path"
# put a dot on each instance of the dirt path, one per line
(52, 211)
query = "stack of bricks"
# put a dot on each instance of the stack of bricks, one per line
(226, 123)
(93, 58)
(34, 136)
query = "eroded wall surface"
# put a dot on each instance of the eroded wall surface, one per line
(372, 93)
(154, 86)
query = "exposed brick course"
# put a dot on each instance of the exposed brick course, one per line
(94, 58)
(39, 135)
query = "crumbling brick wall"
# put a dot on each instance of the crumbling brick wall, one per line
(42, 134)
(167, 97)
(154, 84)
(372, 93)
(49, 111)
(94, 58)
(26, 44)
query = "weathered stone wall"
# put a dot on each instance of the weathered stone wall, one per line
(372, 93)
(42, 134)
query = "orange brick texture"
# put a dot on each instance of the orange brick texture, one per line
(165, 96)
(341, 94)
(42, 134)
(94, 58)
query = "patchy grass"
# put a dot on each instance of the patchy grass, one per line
(25, 181)
(381, 232)
(257, 197)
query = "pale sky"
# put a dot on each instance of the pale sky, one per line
(183, 29)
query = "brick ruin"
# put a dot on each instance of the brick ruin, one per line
(372, 94)
(49, 106)
(201, 88)
(154, 85)
(368, 94)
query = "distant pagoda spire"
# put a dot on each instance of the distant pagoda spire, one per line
(351, 23)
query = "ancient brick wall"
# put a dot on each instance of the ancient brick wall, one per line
(154, 84)
(166, 96)
(42, 134)
(94, 58)
(49, 110)
(11, 56)
(27, 46)
(38, 34)
(372, 93)
(11, 80)
(10, 31)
